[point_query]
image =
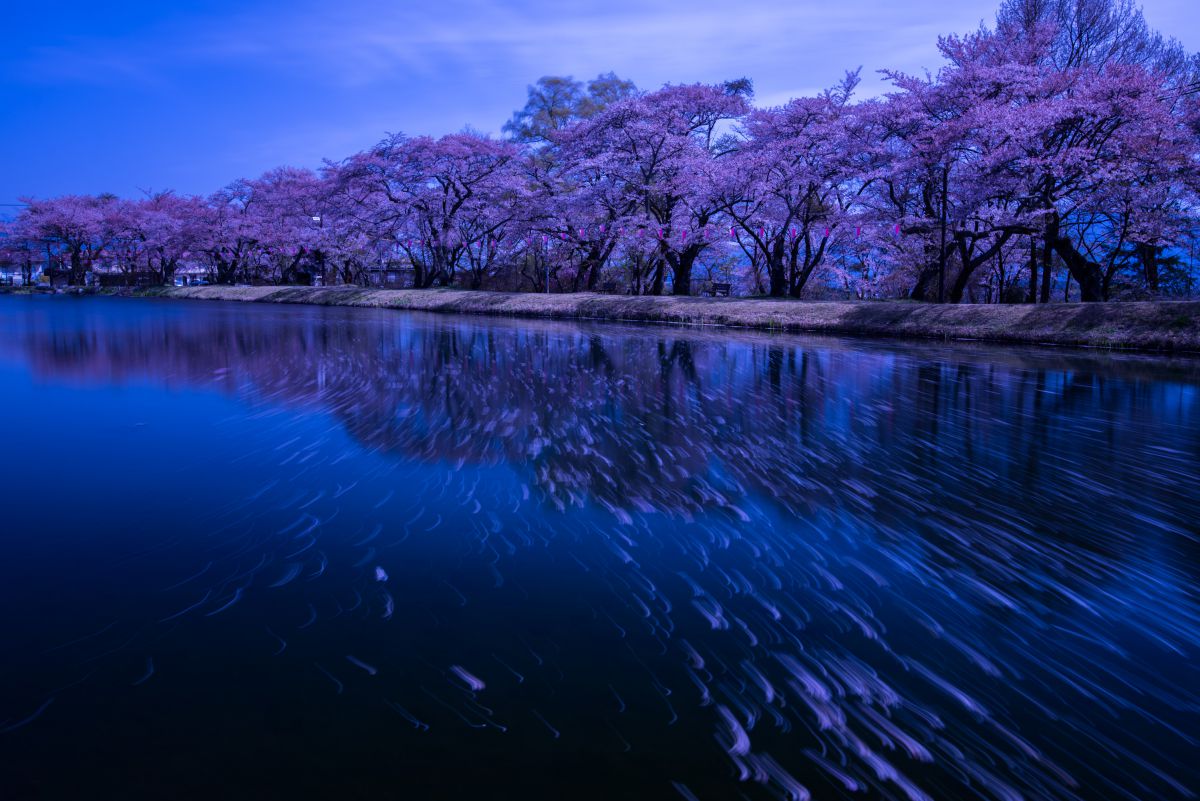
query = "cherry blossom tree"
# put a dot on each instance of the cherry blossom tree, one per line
(153, 234)
(288, 216)
(19, 247)
(71, 228)
(435, 197)
(660, 154)
(791, 188)
(229, 232)
(1005, 142)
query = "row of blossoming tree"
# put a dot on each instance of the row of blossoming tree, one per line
(1056, 154)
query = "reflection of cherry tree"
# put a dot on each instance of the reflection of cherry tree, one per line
(671, 423)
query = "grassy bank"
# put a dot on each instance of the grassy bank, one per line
(1155, 326)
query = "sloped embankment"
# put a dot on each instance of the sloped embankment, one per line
(1172, 326)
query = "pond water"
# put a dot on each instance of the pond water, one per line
(278, 552)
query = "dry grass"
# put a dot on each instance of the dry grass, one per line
(1172, 326)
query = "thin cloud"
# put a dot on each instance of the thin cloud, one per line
(366, 44)
(292, 82)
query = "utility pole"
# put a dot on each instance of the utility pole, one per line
(942, 255)
(320, 221)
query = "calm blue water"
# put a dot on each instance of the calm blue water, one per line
(270, 552)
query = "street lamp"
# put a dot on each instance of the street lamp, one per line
(320, 224)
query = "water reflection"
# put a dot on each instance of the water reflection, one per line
(920, 571)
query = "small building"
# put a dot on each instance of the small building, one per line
(191, 274)
(11, 275)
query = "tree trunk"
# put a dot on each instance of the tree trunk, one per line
(225, 271)
(681, 269)
(591, 271)
(1148, 255)
(656, 284)
(76, 276)
(965, 269)
(1033, 271)
(777, 274)
(959, 287)
(802, 274)
(1086, 273)
(926, 287)
(681, 281)
(598, 256)
(802, 269)
(1047, 264)
(1000, 275)
(968, 264)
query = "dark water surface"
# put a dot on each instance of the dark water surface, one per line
(270, 552)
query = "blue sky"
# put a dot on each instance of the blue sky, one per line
(128, 96)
